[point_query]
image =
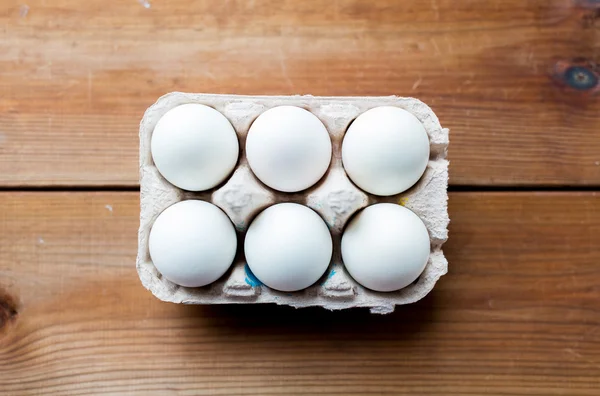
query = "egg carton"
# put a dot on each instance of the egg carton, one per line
(334, 197)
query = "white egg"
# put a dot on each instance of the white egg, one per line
(385, 150)
(192, 243)
(288, 148)
(288, 247)
(194, 147)
(385, 247)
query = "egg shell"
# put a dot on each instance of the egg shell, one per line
(385, 247)
(334, 197)
(194, 147)
(288, 247)
(288, 148)
(192, 243)
(385, 151)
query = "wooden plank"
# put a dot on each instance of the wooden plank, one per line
(517, 314)
(77, 76)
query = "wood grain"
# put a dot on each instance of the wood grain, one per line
(77, 76)
(518, 313)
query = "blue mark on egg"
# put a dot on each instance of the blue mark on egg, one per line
(251, 279)
(580, 78)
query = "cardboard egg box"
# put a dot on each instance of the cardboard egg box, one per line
(335, 198)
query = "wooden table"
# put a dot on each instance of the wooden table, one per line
(515, 81)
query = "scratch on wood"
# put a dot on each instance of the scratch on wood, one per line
(47, 67)
(508, 95)
(436, 9)
(435, 46)
(23, 10)
(90, 77)
(449, 44)
(532, 62)
(572, 352)
(578, 355)
(417, 83)
(210, 75)
(592, 330)
(284, 69)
